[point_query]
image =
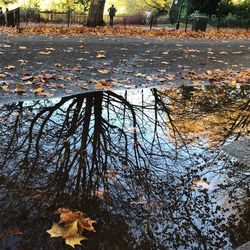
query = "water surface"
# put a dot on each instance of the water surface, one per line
(147, 165)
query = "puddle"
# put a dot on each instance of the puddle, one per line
(147, 165)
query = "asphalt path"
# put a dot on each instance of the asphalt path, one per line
(74, 65)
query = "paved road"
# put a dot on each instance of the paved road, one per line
(72, 64)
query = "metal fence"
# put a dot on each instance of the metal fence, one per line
(10, 18)
(14, 17)
(81, 18)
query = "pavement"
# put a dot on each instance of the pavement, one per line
(240, 150)
(68, 65)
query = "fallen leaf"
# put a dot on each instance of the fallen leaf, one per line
(38, 90)
(19, 90)
(72, 241)
(103, 71)
(22, 48)
(209, 72)
(100, 56)
(44, 52)
(10, 66)
(71, 226)
(233, 83)
(103, 84)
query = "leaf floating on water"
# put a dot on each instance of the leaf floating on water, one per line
(72, 241)
(71, 226)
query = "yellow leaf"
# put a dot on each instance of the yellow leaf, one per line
(71, 226)
(209, 72)
(72, 241)
(55, 231)
(233, 83)
(38, 90)
(70, 230)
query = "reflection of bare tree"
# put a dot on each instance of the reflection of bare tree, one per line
(80, 149)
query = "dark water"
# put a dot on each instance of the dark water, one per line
(147, 165)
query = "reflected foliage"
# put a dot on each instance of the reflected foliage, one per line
(130, 160)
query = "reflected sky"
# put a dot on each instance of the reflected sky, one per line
(147, 165)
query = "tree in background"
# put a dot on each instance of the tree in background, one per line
(162, 6)
(208, 7)
(96, 10)
(6, 2)
(243, 9)
(224, 8)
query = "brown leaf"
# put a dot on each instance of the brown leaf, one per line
(19, 90)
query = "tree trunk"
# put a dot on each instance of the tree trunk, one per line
(95, 17)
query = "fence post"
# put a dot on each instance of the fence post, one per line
(124, 20)
(68, 16)
(17, 18)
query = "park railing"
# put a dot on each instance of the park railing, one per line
(81, 18)
(72, 18)
(76, 18)
(10, 18)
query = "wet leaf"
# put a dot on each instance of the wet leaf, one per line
(72, 241)
(71, 226)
